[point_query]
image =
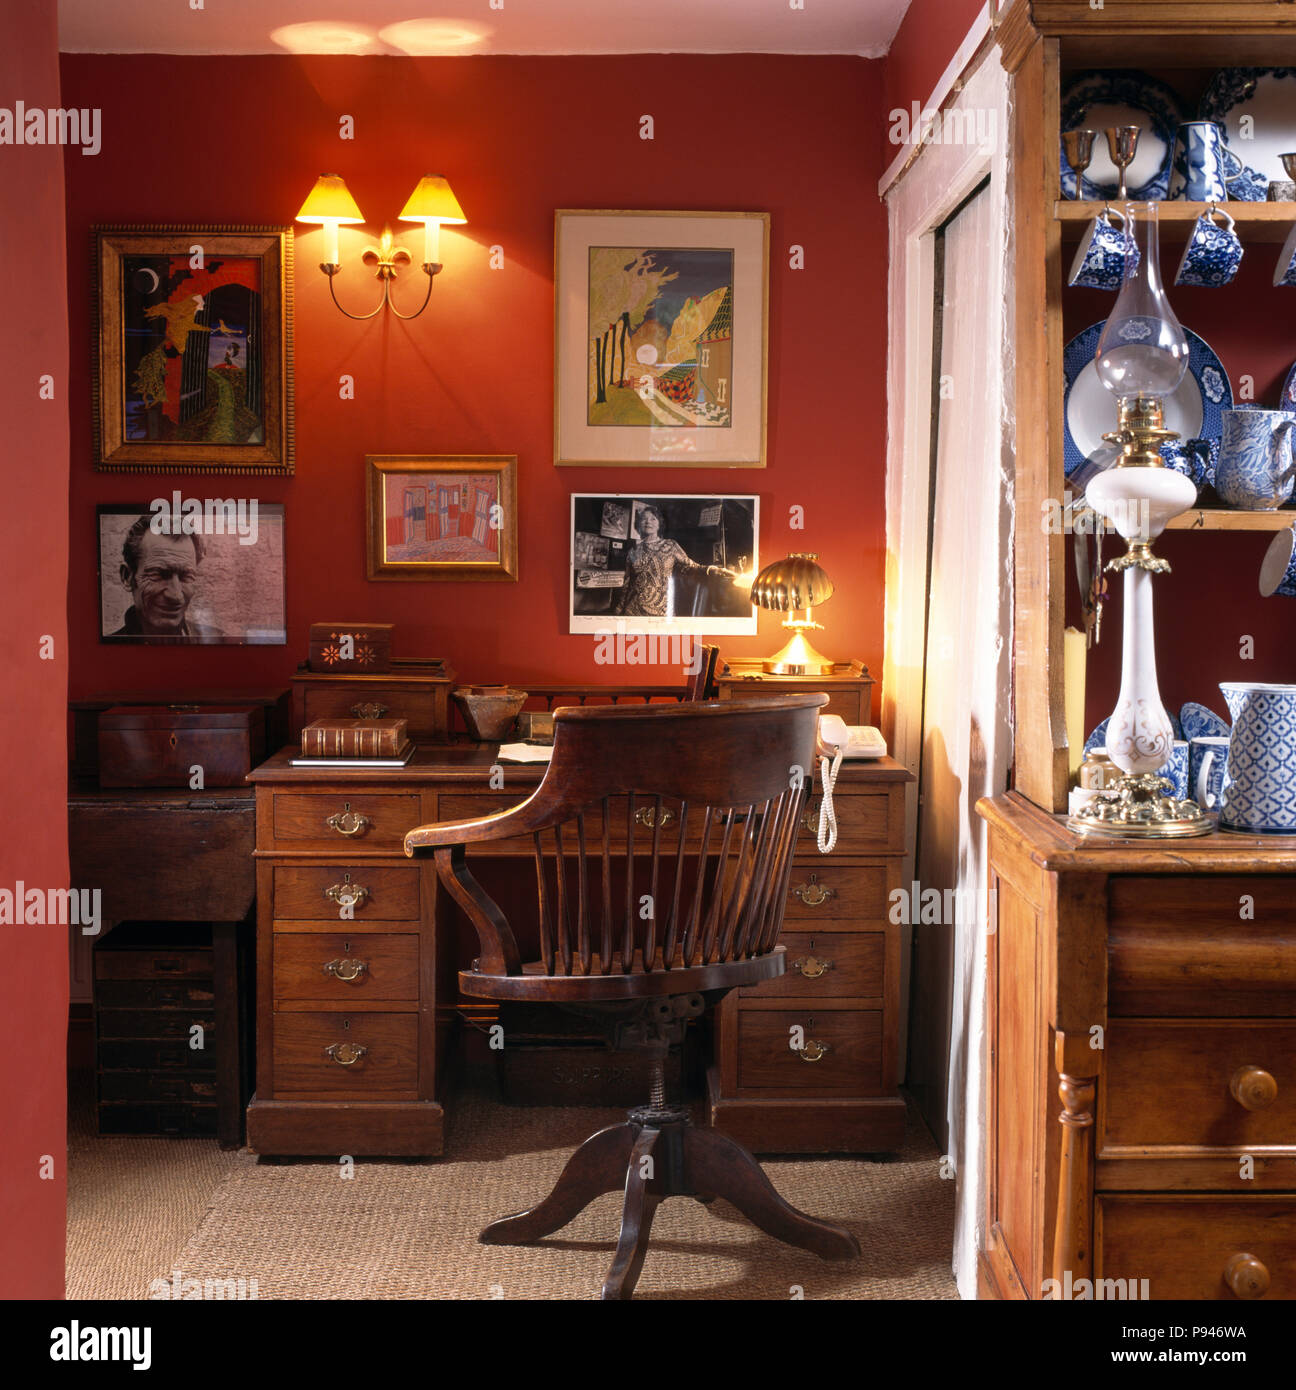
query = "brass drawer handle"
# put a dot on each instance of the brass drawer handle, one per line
(812, 1051)
(647, 815)
(345, 1054)
(1246, 1276)
(810, 817)
(812, 966)
(368, 711)
(345, 969)
(346, 893)
(813, 893)
(1253, 1088)
(348, 822)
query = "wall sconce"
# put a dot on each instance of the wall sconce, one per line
(788, 586)
(330, 204)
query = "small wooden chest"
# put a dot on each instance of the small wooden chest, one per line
(162, 745)
(353, 648)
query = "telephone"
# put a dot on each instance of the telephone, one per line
(838, 740)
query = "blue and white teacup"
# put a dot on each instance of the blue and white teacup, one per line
(1100, 261)
(1278, 568)
(1195, 459)
(1213, 253)
(1204, 166)
(1285, 274)
(1176, 769)
(1207, 761)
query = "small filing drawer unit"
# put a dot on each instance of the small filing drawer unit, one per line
(155, 1040)
(807, 1062)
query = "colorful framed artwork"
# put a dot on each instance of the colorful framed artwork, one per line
(193, 348)
(660, 338)
(441, 517)
(663, 563)
(192, 572)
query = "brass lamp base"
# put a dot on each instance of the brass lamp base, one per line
(798, 657)
(1138, 808)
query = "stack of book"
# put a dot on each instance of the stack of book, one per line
(355, 743)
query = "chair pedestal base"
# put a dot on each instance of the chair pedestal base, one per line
(655, 1154)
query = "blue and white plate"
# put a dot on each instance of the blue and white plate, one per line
(1266, 98)
(1199, 722)
(1193, 412)
(1287, 401)
(1096, 100)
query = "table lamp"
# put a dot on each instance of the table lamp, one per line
(787, 586)
(1142, 356)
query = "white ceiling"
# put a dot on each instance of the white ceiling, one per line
(445, 27)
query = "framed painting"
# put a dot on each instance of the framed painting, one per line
(198, 572)
(193, 349)
(660, 338)
(447, 517)
(663, 563)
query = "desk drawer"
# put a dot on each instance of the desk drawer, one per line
(1183, 1245)
(303, 818)
(390, 893)
(469, 805)
(1168, 1082)
(424, 705)
(372, 966)
(821, 888)
(846, 1045)
(388, 1062)
(828, 965)
(156, 1024)
(867, 823)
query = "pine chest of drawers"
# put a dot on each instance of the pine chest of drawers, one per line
(1142, 1110)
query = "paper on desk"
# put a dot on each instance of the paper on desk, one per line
(525, 752)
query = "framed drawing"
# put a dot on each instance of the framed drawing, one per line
(193, 349)
(660, 338)
(206, 573)
(672, 563)
(448, 516)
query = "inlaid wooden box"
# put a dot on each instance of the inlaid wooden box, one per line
(161, 745)
(350, 648)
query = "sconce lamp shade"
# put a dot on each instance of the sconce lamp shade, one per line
(330, 201)
(797, 581)
(432, 201)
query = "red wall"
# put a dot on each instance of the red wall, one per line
(928, 37)
(33, 691)
(240, 140)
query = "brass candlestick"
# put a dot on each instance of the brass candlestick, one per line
(1079, 152)
(1122, 145)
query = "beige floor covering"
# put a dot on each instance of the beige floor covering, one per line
(140, 1208)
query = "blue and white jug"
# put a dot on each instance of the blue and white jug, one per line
(1259, 791)
(1255, 470)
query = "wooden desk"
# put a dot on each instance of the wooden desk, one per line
(353, 1014)
(176, 855)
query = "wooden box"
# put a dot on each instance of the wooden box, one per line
(161, 745)
(415, 691)
(350, 648)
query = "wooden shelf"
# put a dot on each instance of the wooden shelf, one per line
(1223, 519)
(1256, 222)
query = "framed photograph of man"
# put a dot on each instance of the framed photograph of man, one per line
(665, 563)
(660, 338)
(192, 572)
(193, 349)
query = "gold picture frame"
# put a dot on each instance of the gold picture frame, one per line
(193, 349)
(661, 338)
(441, 517)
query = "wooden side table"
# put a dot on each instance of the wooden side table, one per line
(849, 686)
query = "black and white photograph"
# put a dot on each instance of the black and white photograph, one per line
(202, 572)
(673, 563)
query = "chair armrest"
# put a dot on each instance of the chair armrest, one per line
(537, 812)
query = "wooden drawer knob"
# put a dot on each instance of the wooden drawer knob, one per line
(1253, 1088)
(1246, 1276)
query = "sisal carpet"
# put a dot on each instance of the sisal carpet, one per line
(141, 1208)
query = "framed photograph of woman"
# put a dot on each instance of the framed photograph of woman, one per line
(193, 369)
(669, 563)
(660, 323)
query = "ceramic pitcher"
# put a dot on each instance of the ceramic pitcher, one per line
(1255, 470)
(1259, 791)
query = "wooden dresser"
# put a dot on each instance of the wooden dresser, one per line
(353, 1014)
(1142, 1101)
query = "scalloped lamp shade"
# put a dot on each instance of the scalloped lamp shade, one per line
(787, 586)
(432, 201)
(330, 201)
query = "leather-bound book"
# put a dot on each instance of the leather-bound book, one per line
(354, 738)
